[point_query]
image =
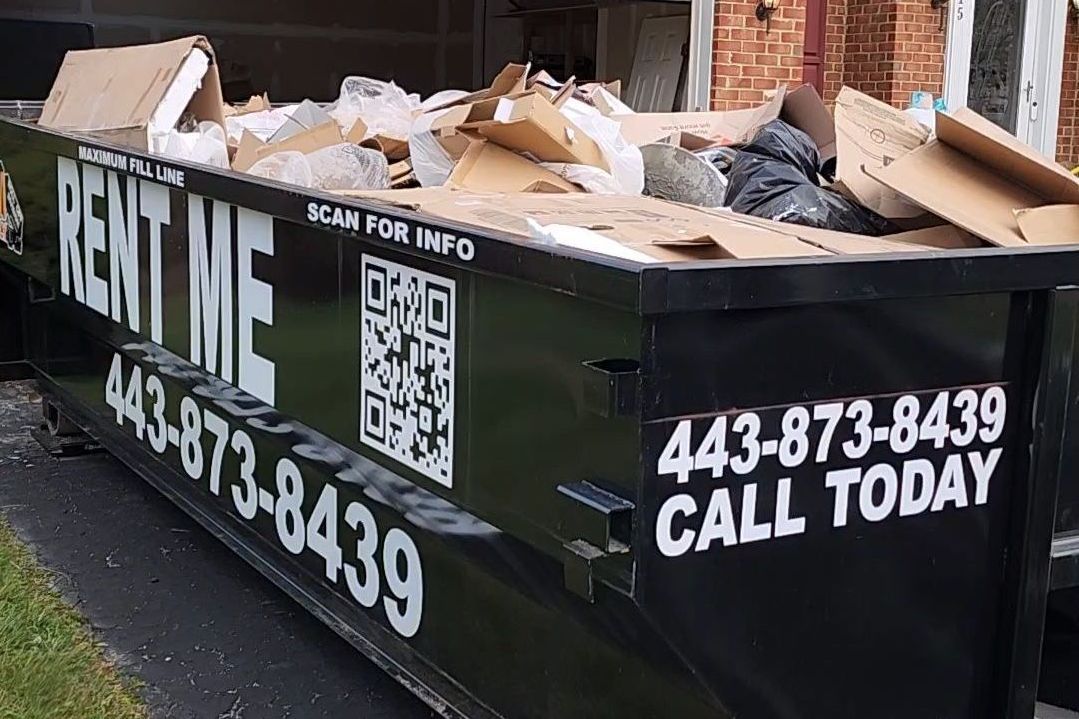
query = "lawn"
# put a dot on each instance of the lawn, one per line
(50, 665)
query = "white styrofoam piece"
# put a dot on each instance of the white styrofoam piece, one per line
(184, 85)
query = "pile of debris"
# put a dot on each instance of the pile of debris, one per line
(568, 164)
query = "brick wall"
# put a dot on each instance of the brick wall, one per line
(748, 60)
(893, 48)
(887, 48)
(835, 40)
(1068, 134)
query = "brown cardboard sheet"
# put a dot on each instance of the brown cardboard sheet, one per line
(981, 179)
(489, 168)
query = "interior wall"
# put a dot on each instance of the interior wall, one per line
(623, 28)
(503, 42)
(293, 49)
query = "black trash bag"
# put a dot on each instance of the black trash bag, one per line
(779, 141)
(775, 177)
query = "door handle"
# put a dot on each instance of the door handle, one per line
(1032, 100)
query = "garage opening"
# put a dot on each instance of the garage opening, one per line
(658, 49)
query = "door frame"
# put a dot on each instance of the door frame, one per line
(1043, 63)
(702, 18)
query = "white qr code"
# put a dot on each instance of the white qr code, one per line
(407, 366)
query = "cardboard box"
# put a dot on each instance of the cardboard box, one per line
(252, 149)
(727, 128)
(533, 125)
(984, 180)
(661, 231)
(871, 135)
(128, 95)
(489, 168)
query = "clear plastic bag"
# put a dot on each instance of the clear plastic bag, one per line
(290, 167)
(624, 159)
(385, 108)
(206, 145)
(348, 167)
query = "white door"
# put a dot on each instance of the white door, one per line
(1005, 60)
(658, 63)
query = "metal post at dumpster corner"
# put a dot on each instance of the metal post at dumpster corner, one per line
(1051, 351)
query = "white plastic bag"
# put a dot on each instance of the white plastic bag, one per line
(348, 167)
(206, 145)
(430, 161)
(624, 159)
(288, 166)
(385, 108)
(592, 179)
(442, 97)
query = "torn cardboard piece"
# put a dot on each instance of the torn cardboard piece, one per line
(401, 174)
(251, 149)
(255, 103)
(512, 80)
(1049, 225)
(872, 134)
(489, 168)
(130, 95)
(982, 179)
(531, 124)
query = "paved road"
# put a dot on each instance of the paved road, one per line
(206, 633)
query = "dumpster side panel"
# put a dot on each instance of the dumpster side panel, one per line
(230, 354)
(870, 518)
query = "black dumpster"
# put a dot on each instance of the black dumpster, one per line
(534, 482)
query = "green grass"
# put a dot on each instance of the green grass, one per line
(50, 665)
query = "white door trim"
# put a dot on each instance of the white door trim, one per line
(957, 54)
(1046, 72)
(699, 69)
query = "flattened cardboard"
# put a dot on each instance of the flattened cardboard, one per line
(870, 135)
(252, 149)
(490, 168)
(836, 243)
(533, 125)
(662, 230)
(978, 177)
(803, 108)
(1049, 225)
(943, 237)
(727, 128)
(114, 92)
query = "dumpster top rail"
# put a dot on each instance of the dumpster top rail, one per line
(690, 285)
